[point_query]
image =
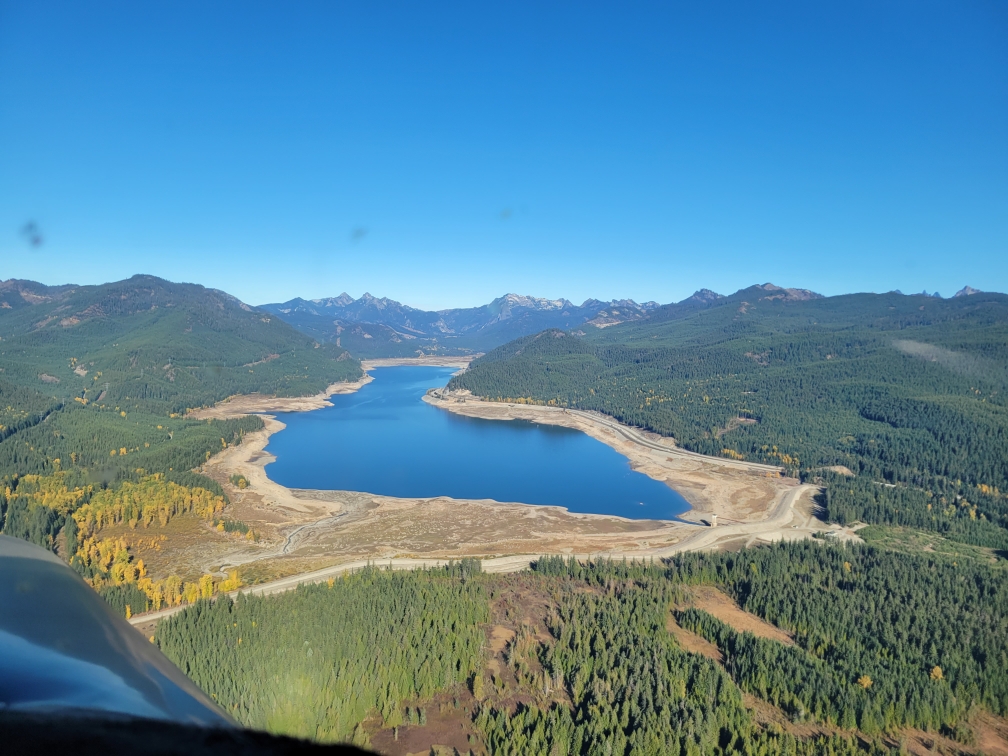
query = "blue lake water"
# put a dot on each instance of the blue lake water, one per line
(385, 439)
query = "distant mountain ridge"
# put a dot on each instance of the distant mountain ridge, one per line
(382, 327)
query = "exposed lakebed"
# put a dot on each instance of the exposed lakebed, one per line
(384, 439)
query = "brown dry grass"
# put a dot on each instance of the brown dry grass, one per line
(715, 603)
(692, 642)
(518, 600)
(326, 528)
(992, 734)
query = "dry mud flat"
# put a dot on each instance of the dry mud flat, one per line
(430, 361)
(304, 530)
(348, 525)
(247, 404)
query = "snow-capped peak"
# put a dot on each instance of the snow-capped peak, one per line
(532, 303)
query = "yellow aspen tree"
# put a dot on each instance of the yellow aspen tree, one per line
(206, 586)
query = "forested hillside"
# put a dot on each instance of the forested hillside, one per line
(316, 662)
(95, 382)
(171, 346)
(883, 643)
(906, 392)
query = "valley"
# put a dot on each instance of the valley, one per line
(136, 441)
(375, 328)
(308, 530)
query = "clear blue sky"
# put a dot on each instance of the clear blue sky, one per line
(444, 154)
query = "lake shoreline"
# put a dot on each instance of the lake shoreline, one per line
(313, 528)
(704, 496)
(268, 407)
(256, 404)
(389, 442)
(698, 478)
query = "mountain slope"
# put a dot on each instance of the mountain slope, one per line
(98, 377)
(178, 344)
(896, 388)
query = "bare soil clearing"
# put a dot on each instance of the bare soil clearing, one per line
(715, 603)
(692, 642)
(448, 728)
(991, 734)
(518, 602)
(432, 361)
(500, 636)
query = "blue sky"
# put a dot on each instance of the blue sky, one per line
(443, 154)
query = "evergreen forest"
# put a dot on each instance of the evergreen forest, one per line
(894, 405)
(884, 644)
(897, 404)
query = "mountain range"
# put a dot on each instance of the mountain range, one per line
(366, 327)
(372, 326)
(381, 327)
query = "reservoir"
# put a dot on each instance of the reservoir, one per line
(384, 439)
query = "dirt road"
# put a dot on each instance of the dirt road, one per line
(635, 436)
(786, 522)
(502, 564)
(305, 530)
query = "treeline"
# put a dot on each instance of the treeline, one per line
(95, 384)
(112, 441)
(64, 512)
(865, 611)
(109, 567)
(807, 687)
(168, 346)
(36, 508)
(22, 407)
(101, 377)
(316, 661)
(633, 689)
